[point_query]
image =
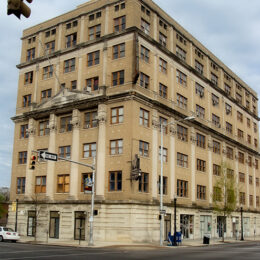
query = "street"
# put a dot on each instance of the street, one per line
(246, 250)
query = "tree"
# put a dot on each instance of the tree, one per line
(2, 211)
(225, 194)
(4, 197)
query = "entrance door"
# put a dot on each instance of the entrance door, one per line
(220, 222)
(205, 226)
(167, 226)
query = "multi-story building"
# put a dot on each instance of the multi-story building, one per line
(97, 82)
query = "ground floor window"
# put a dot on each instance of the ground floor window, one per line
(54, 224)
(187, 226)
(31, 223)
(205, 225)
(79, 228)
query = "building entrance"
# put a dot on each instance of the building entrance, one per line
(187, 224)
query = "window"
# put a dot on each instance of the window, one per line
(69, 65)
(199, 53)
(216, 147)
(255, 127)
(255, 143)
(64, 151)
(182, 133)
(30, 54)
(116, 147)
(145, 53)
(86, 177)
(92, 84)
(72, 24)
(257, 182)
(250, 179)
(144, 117)
(20, 185)
(217, 194)
(241, 157)
(117, 115)
(28, 78)
(162, 39)
(201, 192)
(201, 140)
(229, 128)
(54, 224)
(119, 24)
(51, 32)
(239, 116)
(242, 198)
(65, 124)
(214, 66)
(238, 98)
(216, 120)
(73, 84)
(257, 201)
(164, 185)
(227, 89)
(144, 183)
(44, 128)
(181, 53)
(27, 100)
(118, 78)
(215, 100)
(230, 153)
(117, 7)
(80, 226)
(49, 47)
(144, 80)
(201, 165)
(22, 158)
(249, 139)
(162, 66)
(40, 184)
(46, 93)
(93, 58)
(47, 72)
(214, 79)
(90, 119)
(182, 160)
(199, 90)
(230, 173)
(165, 154)
(248, 122)
(228, 109)
(216, 170)
(143, 148)
(199, 67)
(247, 104)
(182, 101)
(181, 39)
(145, 26)
(89, 150)
(31, 223)
(94, 32)
(71, 40)
(119, 51)
(162, 90)
(24, 131)
(63, 183)
(241, 177)
(200, 111)
(181, 78)
(115, 181)
(91, 17)
(240, 134)
(256, 164)
(182, 188)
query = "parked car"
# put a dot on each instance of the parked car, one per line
(7, 234)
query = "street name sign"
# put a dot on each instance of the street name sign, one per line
(48, 156)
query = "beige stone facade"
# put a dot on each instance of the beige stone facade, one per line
(97, 82)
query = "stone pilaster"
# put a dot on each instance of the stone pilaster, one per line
(155, 127)
(193, 164)
(172, 160)
(101, 151)
(50, 187)
(210, 171)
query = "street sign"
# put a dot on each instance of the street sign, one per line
(48, 156)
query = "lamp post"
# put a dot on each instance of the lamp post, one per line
(242, 231)
(189, 118)
(175, 228)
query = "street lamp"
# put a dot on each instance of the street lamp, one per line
(242, 231)
(175, 228)
(189, 118)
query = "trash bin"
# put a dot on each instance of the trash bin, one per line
(206, 240)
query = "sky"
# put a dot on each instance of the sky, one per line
(230, 29)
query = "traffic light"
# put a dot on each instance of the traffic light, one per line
(32, 162)
(18, 7)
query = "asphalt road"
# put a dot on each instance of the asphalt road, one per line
(246, 250)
